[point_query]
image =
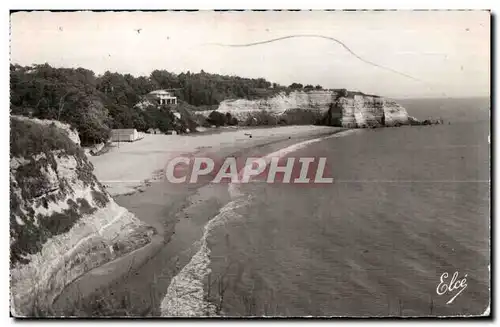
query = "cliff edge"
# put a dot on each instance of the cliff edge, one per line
(63, 223)
(361, 111)
(336, 108)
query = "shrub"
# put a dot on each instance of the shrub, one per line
(216, 118)
(301, 117)
(29, 138)
(261, 118)
(295, 86)
(230, 120)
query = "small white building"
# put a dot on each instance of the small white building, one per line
(164, 97)
(124, 135)
(154, 131)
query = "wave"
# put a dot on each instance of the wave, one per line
(185, 295)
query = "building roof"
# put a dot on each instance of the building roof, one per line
(161, 92)
(123, 130)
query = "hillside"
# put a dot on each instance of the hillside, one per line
(95, 104)
(62, 220)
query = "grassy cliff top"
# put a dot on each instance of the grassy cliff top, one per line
(29, 138)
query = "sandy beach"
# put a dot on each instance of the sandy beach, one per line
(128, 166)
(133, 175)
(231, 164)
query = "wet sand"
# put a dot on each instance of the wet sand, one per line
(136, 283)
(128, 166)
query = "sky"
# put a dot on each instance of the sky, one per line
(446, 53)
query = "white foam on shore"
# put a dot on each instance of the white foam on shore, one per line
(292, 148)
(186, 295)
(233, 187)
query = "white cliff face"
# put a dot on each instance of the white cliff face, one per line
(278, 104)
(361, 111)
(281, 102)
(62, 224)
(353, 111)
(395, 114)
(370, 111)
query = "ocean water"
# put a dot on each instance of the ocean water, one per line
(407, 205)
(452, 110)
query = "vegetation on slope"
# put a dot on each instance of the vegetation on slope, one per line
(28, 138)
(95, 104)
(32, 186)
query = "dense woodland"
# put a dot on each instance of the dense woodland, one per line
(95, 104)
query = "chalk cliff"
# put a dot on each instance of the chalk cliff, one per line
(339, 108)
(63, 223)
(367, 111)
(319, 100)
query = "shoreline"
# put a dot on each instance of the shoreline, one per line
(101, 278)
(128, 167)
(186, 293)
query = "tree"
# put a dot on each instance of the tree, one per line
(95, 104)
(216, 118)
(342, 92)
(296, 86)
(164, 79)
(230, 120)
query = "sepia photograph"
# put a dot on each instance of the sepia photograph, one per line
(250, 164)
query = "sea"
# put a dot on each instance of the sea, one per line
(403, 230)
(407, 205)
